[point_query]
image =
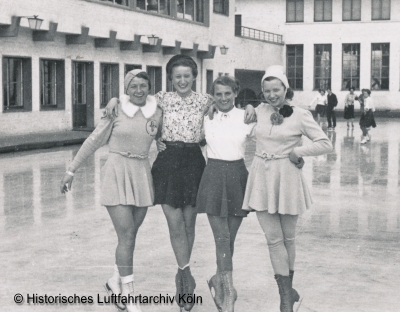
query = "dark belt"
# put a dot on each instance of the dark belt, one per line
(180, 144)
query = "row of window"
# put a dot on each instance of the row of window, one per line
(351, 10)
(192, 10)
(350, 66)
(17, 82)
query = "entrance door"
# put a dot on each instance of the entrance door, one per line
(82, 95)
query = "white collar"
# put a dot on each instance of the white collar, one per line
(226, 115)
(130, 109)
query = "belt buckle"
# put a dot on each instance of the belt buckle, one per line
(268, 156)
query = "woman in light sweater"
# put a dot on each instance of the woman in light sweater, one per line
(127, 184)
(276, 189)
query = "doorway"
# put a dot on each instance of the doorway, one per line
(82, 95)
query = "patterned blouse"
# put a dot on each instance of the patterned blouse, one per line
(183, 117)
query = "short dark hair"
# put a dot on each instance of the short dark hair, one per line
(368, 91)
(181, 60)
(352, 88)
(226, 81)
(289, 91)
(321, 90)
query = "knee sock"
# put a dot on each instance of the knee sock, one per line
(290, 246)
(279, 258)
(224, 255)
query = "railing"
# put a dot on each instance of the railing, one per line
(247, 32)
(242, 31)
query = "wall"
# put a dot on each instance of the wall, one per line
(336, 33)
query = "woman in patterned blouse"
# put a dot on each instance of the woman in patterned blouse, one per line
(178, 168)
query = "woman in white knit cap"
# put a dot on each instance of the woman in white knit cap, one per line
(127, 184)
(276, 189)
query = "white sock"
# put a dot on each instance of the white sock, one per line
(187, 265)
(127, 279)
(116, 273)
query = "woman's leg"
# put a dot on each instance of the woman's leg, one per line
(271, 225)
(177, 233)
(180, 223)
(234, 225)
(222, 238)
(189, 216)
(126, 220)
(288, 224)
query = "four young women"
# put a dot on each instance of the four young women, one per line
(276, 188)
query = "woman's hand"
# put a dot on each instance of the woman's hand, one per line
(111, 109)
(298, 161)
(161, 145)
(66, 183)
(213, 109)
(250, 114)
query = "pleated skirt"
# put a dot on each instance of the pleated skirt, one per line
(222, 188)
(276, 186)
(176, 174)
(126, 181)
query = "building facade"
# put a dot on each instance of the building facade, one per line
(335, 43)
(59, 77)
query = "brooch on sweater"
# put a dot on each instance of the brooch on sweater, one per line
(284, 112)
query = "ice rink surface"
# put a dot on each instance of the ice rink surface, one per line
(348, 247)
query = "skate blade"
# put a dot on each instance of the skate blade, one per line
(298, 304)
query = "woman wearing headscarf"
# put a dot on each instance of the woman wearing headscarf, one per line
(127, 184)
(276, 189)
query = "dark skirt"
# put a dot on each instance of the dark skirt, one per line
(320, 109)
(222, 188)
(176, 174)
(367, 120)
(348, 112)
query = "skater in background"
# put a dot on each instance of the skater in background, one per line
(321, 102)
(127, 185)
(349, 108)
(276, 189)
(367, 119)
(360, 99)
(330, 110)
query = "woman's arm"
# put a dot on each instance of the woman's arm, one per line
(320, 142)
(98, 138)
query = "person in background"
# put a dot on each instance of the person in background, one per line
(330, 110)
(367, 119)
(349, 107)
(276, 188)
(127, 185)
(320, 107)
(360, 99)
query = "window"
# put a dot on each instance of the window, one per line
(52, 84)
(322, 66)
(192, 10)
(109, 88)
(294, 11)
(119, 2)
(351, 66)
(351, 10)
(380, 9)
(156, 6)
(294, 68)
(155, 75)
(129, 67)
(323, 10)
(17, 84)
(221, 6)
(380, 66)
